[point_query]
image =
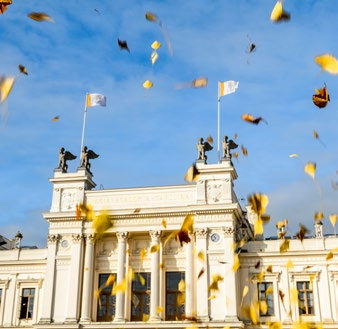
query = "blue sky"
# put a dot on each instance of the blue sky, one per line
(149, 138)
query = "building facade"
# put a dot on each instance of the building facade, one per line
(138, 274)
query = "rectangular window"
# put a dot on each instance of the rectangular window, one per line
(27, 303)
(140, 297)
(175, 297)
(305, 298)
(265, 298)
(107, 302)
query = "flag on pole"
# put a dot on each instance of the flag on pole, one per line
(95, 100)
(227, 87)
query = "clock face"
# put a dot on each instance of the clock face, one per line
(214, 237)
(64, 243)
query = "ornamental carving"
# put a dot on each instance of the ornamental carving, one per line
(155, 235)
(53, 238)
(201, 232)
(77, 237)
(122, 236)
(214, 191)
(228, 230)
(68, 200)
(90, 237)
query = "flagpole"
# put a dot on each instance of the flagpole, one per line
(83, 126)
(218, 125)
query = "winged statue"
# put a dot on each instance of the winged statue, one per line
(227, 146)
(87, 155)
(64, 156)
(202, 147)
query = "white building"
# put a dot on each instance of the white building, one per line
(59, 286)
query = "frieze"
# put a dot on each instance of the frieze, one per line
(77, 238)
(53, 238)
(201, 232)
(63, 262)
(228, 231)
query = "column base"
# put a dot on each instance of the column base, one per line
(45, 321)
(119, 320)
(71, 321)
(85, 320)
(155, 319)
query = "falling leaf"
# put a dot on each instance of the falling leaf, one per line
(147, 84)
(196, 83)
(329, 256)
(293, 296)
(101, 223)
(258, 227)
(269, 268)
(137, 210)
(151, 17)
(328, 63)
(275, 325)
(236, 264)
(289, 264)
(123, 45)
(192, 174)
(87, 211)
(249, 118)
(155, 248)
(258, 264)
(244, 293)
(110, 280)
(293, 155)
(201, 273)
(159, 309)
(269, 290)
(181, 286)
(153, 57)
(142, 279)
(318, 215)
(310, 169)
(244, 150)
(333, 219)
(210, 139)
(164, 223)
(201, 256)
(22, 69)
(4, 4)
(143, 254)
(263, 306)
(282, 295)
(56, 118)
(6, 85)
(285, 245)
(186, 228)
(316, 136)
(278, 14)
(302, 231)
(260, 276)
(40, 17)
(253, 310)
(258, 203)
(321, 98)
(216, 278)
(155, 45)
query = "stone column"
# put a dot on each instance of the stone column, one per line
(155, 277)
(202, 283)
(190, 279)
(73, 306)
(9, 314)
(230, 275)
(120, 275)
(87, 287)
(48, 290)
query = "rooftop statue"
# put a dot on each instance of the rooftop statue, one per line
(202, 147)
(64, 156)
(87, 155)
(227, 146)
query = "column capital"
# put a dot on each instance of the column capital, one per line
(122, 236)
(90, 237)
(201, 232)
(77, 238)
(53, 238)
(155, 235)
(228, 231)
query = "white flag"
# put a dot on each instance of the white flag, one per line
(227, 87)
(95, 100)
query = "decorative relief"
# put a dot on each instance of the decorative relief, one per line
(122, 236)
(139, 245)
(201, 233)
(106, 249)
(68, 200)
(76, 238)
(90, 237)
(228, 231)
(172, 248)
(53, 238)
(214, 191)
(155, 235)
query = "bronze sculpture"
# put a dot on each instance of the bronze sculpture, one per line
(64, 156)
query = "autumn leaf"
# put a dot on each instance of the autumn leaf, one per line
(154, 248)
(328, 63)
(278, 14)
(285, 245)
(310, 169)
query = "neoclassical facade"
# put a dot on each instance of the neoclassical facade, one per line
(137, 274)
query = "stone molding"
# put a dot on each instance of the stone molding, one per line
(201, 232)
(77, 238)
(122, 236)
(53, 238)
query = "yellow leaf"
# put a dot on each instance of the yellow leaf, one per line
(110, 280)
(236, 264)
(245, 292)
(293, 155)
(102, 223)
(159, 309)
(142, 279)
(180, 299)
(289, 264)
(258, 227)
(278, 14)
(39, 17)
(329, 256)
(258, 202)
(293, 296)
(285, 245)
(269, 269)
(260, 276)
(333, 219)
(155, 45)
(147, 84)
(164, 223)
(212, 297)
(328, 63)
(143, 253)
(269, 290)
(216, 278)
(192, 174)
(310, 169)
(263, 306)
(6, 85)
(181, 285)
(318, 215)
(145, 317)
(155, 248)
(253, 313)
(200, 256)
(153, 57)
(275, 325)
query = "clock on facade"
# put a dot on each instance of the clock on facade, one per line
(214, 237)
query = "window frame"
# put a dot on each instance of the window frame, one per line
(307, 288)
(266, 284)
(144, 301)
(30, 305)
(107, 293)
(176, 316)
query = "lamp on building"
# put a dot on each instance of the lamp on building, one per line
(282, 228)
(17, 240)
